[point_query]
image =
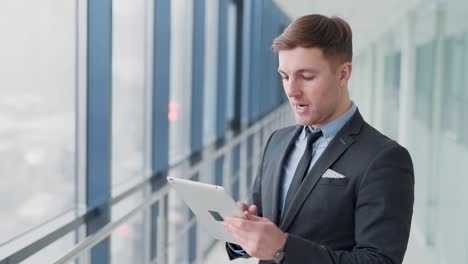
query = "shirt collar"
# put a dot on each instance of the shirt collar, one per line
(331, 128)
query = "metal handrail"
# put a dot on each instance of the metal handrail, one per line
(105, 231)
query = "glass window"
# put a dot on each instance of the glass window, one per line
(211, 66)
(391, 88)
(453, 77)
(362, 88)
(452, 206)
(128, 241)
(421, 141)
(231, 61)
(251, 172)
(180, 79)
(179, 230)
(52, 252)
(464, 104)
(129, 84)
(392, 92)
(424, 81)
(129, 126)
(235, 173)
(37, 115)
(356, 78)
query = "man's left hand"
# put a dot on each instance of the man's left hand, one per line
(258, 236)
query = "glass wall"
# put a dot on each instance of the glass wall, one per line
(180, 79)
(129, 243)
(231, 61)
(37, 116)
(211, 62)
(451, 235)
(362, 87)
(391, 85)
(130, 86)
(436, 53)
(181, 16)
(64, 81)
(421, 145)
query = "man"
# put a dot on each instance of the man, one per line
(331, 189)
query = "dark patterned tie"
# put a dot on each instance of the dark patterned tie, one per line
(302, 168)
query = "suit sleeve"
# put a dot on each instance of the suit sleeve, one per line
(383, 212)
(254, 198)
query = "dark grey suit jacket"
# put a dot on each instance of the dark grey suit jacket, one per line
(361, 219)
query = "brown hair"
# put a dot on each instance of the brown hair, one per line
(332, 35)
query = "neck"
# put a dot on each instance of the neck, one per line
(344, 106)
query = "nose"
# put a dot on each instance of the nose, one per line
(292, 88)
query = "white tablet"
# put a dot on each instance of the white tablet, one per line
(210, 204)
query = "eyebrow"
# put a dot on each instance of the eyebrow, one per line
(300, 71)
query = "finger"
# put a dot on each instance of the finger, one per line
(257, 218)
(248, 215)
(243, 206)
(253, 210)
(237, 233)
(242, 223)
(246, 239)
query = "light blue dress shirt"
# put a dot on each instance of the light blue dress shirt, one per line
(329, 131)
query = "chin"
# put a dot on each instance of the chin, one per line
(303, 121)
(307, 121)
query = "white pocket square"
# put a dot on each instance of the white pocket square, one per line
(333, 174)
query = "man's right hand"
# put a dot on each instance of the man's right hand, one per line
(250, 209)
(247, 210)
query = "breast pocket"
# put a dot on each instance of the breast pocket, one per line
(333, 181)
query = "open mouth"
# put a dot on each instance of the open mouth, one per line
(300, 107)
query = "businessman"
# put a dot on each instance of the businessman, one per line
(332, 189)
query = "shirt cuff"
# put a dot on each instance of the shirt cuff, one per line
(237, 249)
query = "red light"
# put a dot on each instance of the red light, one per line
(173, 114)
(125, 230)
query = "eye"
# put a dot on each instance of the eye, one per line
(284, 77)
(308, 78)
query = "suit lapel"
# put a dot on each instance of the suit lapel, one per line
(342, 141)
(285, 150)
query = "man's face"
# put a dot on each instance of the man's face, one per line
(317, 91)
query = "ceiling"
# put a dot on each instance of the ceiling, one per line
(368, 18)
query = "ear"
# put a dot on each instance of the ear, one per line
(344, 71)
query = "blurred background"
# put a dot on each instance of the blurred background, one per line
(101, 100)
